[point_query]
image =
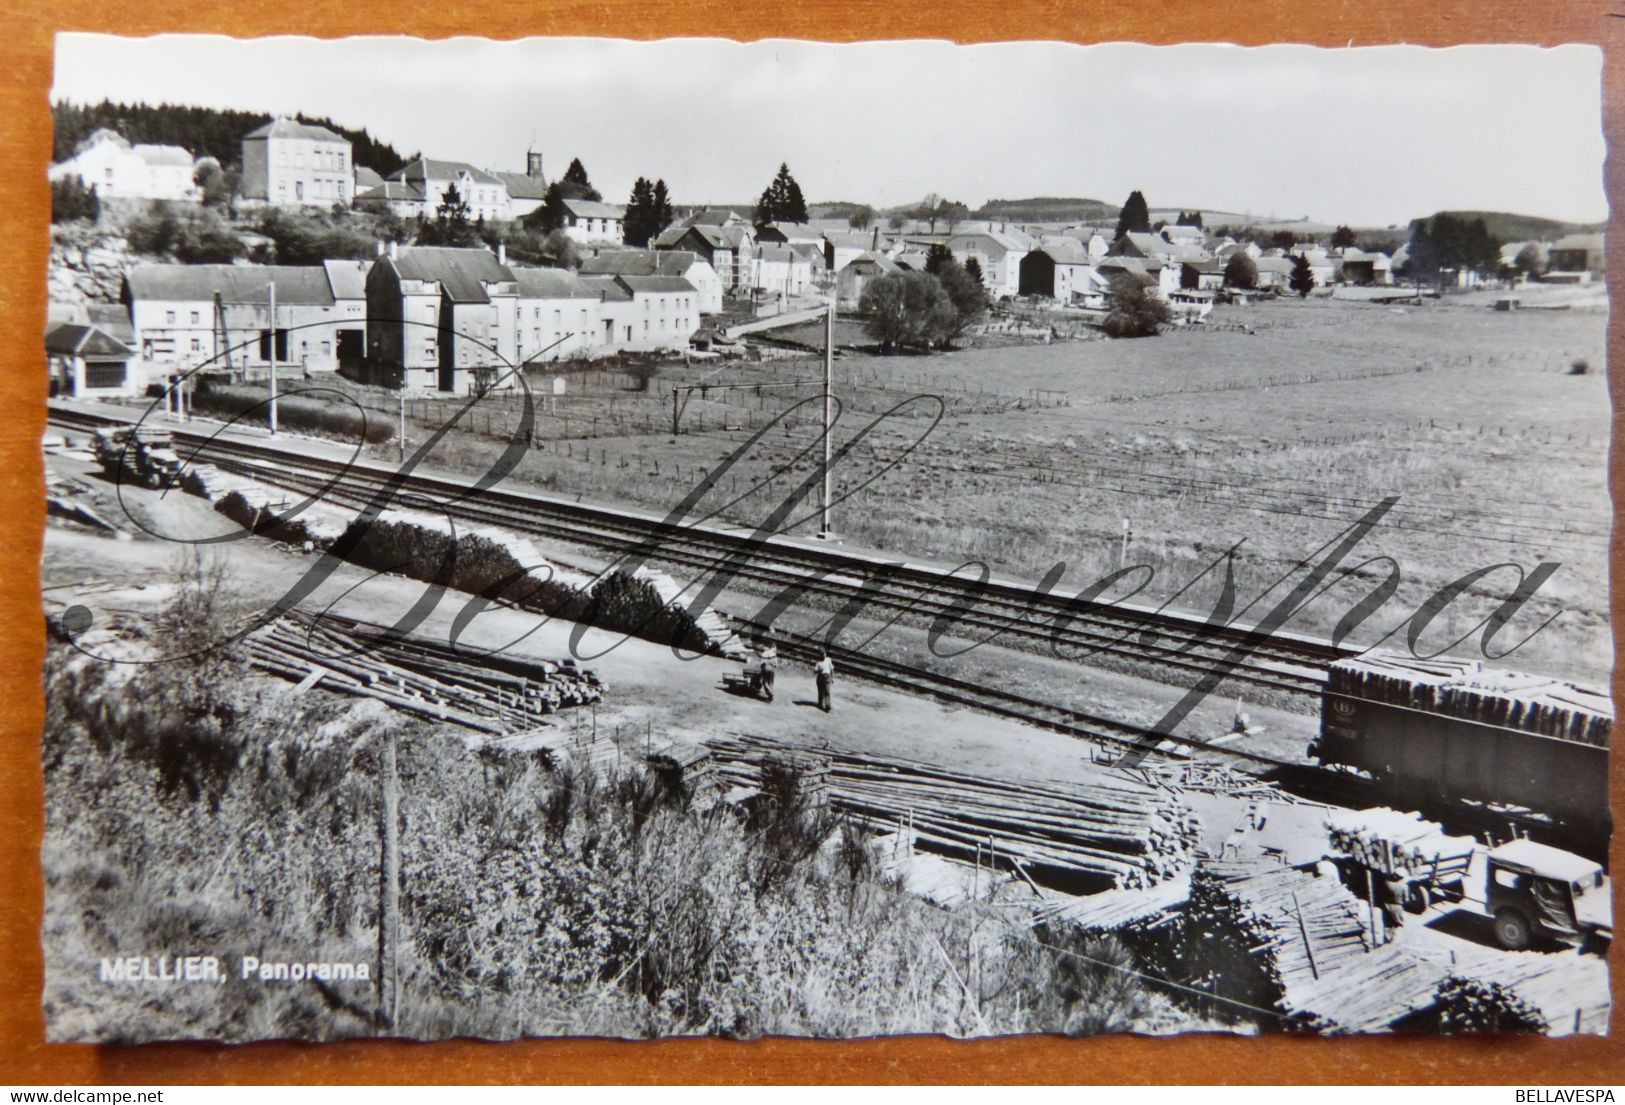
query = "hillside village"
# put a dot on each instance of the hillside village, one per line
(440, 317)
(1046, 834)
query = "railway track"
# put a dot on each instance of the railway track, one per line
(1290, 662)
(1014, 613)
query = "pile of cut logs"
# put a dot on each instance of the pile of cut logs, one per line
(1528, 991)
(1399, 844)
(1115, 829)
(1213, 777)
(1302, 943)
(1462, 688)
(491, 694)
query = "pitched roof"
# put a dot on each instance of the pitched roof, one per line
(1135, 265)
(348, 279)
(75, 339)
(304, 285)
(1064, 251)
(592, 209)
(461, 272)
(850, 239)
(780, 254)
(427, 168)
(283, 127)
(366, 178)
(1003, 240)
(523, 186)
(102, 134)
(112, 317)
(712, 216)
(878, 260)
(392, 190)
(607, 288)
(640, 262)
(1148, 244)
(1579, 241)
(537, 283)
(655, 283)
(1184, 233)
(1273, 264)
(812, 251)
(163, 155)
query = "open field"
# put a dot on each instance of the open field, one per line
(1276, 436)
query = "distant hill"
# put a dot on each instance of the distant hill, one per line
(836, 209)
(1049, 209)
(1517, 228)
(205, 131)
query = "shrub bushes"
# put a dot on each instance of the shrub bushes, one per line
(251, 404)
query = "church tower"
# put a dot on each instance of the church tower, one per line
(533, 163)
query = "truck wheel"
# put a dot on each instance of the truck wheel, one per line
(1417, 899)
(1511, 930)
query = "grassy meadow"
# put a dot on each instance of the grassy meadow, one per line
(1275, 427)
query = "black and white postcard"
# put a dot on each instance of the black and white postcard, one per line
(588, 537)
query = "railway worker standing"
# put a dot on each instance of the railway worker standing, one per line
(770, 667)
(825, 672)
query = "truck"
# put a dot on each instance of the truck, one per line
(1526, 748)
(142, 454)
(1532, 893)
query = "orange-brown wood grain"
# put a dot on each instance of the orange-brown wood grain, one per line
(26, 30)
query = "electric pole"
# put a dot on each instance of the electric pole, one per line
(829, 397)
(273, 357)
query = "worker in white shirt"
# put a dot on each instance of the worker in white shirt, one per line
(825, 672)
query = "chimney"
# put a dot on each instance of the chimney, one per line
(502, 253)
(392, 253)
(380, 252)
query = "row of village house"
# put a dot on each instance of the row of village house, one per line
(434, 314)
(425, 316)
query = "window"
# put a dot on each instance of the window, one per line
(197, 317)
(104, 375)
(169, 316)
(197, 345)
(327, 348)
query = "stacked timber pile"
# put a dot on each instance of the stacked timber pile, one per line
(1213, 777)
(1463, 689)
(484, 693)
(685, 771)
(1554, 994)
(1109, 910)
(1404, 845)
(795, 780)
(1301, 944)
(1116, 829)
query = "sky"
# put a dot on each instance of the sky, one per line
(1372, 136)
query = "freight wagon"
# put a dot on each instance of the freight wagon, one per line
(1437, 732)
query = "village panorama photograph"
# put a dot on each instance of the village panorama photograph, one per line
(579, 537)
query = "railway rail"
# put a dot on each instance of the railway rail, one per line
(1288, 661)
(1019, 613)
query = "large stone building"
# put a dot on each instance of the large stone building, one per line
(661, 262)
(420, 188)
(291, 164)
(107, 162)
(438, 316)
(218, 317)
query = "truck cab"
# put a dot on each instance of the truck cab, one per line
(1536, 892)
